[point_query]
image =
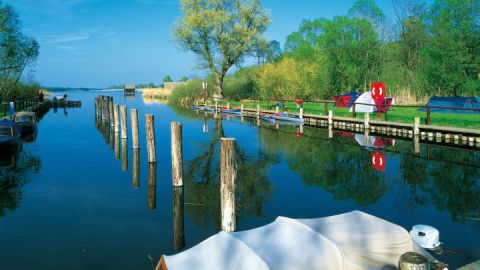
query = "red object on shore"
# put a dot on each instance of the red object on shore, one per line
(298, 101)
(378, 161)
(378, 90)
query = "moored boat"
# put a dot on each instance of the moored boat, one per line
(10, 142)
(27, 123)
(285, 117)
(232, 111)
(267, 119)
(203, 108)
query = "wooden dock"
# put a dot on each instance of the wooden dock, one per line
(449, 135)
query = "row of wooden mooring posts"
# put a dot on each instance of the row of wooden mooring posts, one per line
(108, 111)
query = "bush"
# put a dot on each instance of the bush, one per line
(190, 92)
(18, 91)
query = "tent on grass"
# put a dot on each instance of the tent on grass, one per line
(455, 103)
(353, 240)
(346, 100)
(366, 104)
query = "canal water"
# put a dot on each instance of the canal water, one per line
(70, 199)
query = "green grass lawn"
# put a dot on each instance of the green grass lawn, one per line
(398, 114)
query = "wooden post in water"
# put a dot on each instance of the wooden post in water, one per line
(228, 105)
(136, 168)
(105, 108)
(110, 113)
(277, 109)
(241, 108)
(258, 111)
(116, 118)
(178, 219)
(228, 177)
(152, 186)
(330, 118)
(117, 145)
(416, 126)
(124, 155)
(123, 119)
(301, 113)
(149, 121)
(176, 151)
(413, 261)
(134, 125)
(216, 106)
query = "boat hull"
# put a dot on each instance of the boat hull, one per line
(234, 112)
(288, 118)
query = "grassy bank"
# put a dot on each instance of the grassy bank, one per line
(397, 114)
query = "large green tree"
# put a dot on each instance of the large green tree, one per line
(17, 51)
(451, 59)
(221, 33)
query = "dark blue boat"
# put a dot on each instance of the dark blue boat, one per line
(10, 142)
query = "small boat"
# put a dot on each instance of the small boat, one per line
(27, 123)
(354, 240)
(232, 111)
(267, 119)
(198, 108)
(10, 142)
(202, 108)
(285, 117)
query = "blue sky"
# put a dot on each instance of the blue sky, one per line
(99, 43)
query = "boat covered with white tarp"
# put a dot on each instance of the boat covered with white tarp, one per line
(353, 240)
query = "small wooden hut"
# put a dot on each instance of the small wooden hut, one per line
(129, 89)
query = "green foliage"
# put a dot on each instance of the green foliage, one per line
(433, 50)
(184, 79)
(189, 92)
(451, 58)
(17, 51)
(241, 84)
(221, 32)
(167, 79)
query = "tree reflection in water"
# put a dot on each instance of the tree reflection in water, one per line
(345, 172)
(445, 177)
(13, 176)
(202, 185)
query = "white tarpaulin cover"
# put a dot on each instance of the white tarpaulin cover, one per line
(354, 240)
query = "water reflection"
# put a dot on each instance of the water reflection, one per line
(433, 175)
(178, 219)
(202, 186)
(136, 169)
(13, 176)
(152, 186)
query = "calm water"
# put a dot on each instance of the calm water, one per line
(70, 202)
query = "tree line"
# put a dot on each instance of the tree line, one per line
(422, 50)
(17, 52)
